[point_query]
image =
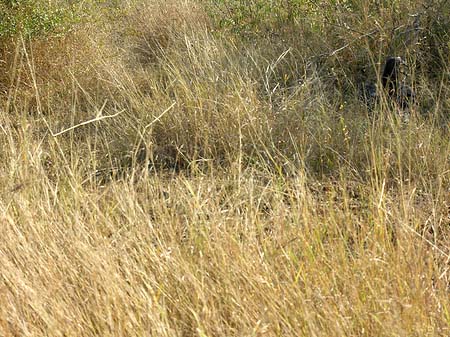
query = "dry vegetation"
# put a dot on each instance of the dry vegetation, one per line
(241, 187)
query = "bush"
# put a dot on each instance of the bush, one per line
(32, 18)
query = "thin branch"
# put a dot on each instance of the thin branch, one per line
(156, 119)
(96, 119)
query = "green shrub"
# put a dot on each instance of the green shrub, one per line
(32, 18)
(254, 17)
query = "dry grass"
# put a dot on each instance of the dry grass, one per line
(241, 190)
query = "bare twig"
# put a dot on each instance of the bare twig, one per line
(157, 119)
(99, 117)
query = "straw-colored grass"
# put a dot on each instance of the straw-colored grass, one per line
(200, 168)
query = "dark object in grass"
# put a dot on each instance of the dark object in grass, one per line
(399, 93)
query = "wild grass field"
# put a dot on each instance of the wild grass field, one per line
(209, 168)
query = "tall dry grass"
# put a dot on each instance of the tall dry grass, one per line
(241, 189)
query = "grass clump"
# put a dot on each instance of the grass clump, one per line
(200, 168)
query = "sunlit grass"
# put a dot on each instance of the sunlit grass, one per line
(240, 188)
